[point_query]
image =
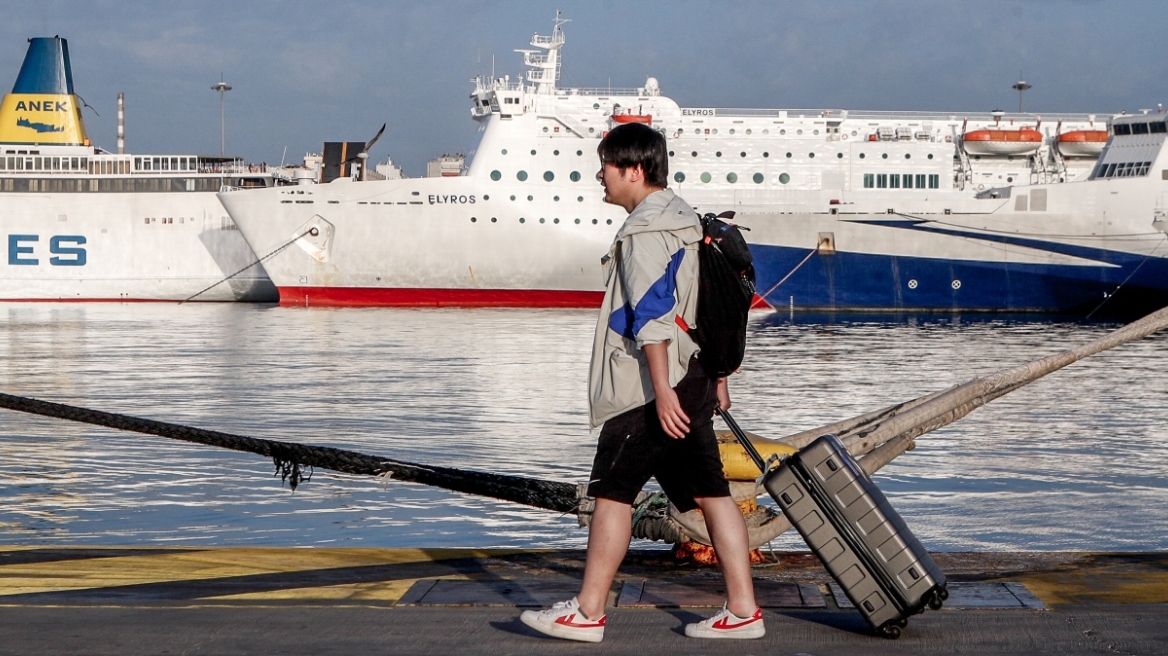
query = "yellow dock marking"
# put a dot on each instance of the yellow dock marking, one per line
(215, 563)
(1124, 583)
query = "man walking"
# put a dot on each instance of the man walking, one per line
(654, 400)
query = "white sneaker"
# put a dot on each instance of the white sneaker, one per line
(565, 620)
(725, 624)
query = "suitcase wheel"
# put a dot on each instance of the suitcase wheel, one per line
(938, 599)
(890, 631)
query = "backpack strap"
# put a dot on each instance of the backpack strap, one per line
(692, 332)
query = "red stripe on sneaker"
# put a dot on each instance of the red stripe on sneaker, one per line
(566, 620)
(724, 623)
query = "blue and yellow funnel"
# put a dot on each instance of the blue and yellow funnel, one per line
(42, 108)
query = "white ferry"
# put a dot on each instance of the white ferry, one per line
(847, 209)
(82, 224)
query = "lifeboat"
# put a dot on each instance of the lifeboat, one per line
(1082, 143)
(1002, 142)
(647, 119)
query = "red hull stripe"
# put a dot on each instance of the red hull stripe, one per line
(407, 297)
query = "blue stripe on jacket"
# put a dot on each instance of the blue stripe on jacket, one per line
(658, 301)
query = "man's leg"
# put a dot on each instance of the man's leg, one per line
(727, 531)
(608, 541)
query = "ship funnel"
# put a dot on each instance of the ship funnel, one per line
(42, 109)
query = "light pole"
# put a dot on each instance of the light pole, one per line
(222, 87)
(1019, 86)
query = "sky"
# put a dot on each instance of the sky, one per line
(305, 72)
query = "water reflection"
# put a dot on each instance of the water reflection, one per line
(1074, 461)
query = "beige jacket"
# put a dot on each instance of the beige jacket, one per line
(651, 277)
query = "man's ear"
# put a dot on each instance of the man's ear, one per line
(636, 173)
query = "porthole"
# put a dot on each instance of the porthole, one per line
(548, 176)
(545, 129)
(574, 176)
(839, 155)
(765, 154)
(697, 130)
(608, 222)
(815, 132)
(522, 175)
(555, 220)
(473, 220)
(532, 151)
(494, 219)
(556, 198)
(731, 130)
(486, 197)
(1010, 179)
(541, 220)
(715, 130)
(788, 155)
(496, 176)
(862, 155)
(766, 131)
(593, 221)
(579, 153)
(811, 155)
(930, 156)
(784, 178)
(591, 130)
(853, 133)
(580, 198)
(671, 153)
(556, 153)
(742, 154)
(706, 177)
(679, 177)
(799, 131)
(694, 153)
(884, 156)
(577, 221)
(731, 177)
(907, 156)
(522, 220)
(595, 105)
(783, 131)
(718, 154)
(512, 196)
(530, 198)
(758, 178)
(747, 130)
(504, 151)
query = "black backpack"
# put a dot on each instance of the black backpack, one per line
(725, 293)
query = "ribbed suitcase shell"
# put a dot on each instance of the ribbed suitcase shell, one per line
(862, 541)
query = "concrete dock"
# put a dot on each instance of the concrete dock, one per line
(102, 600)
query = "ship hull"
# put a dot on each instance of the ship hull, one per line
(125, 247)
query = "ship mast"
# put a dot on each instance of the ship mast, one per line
(544, 64)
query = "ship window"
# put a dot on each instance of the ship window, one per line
(742, 154)
(884, 156)
(705, 177)
(532, 151)
(608, 222)
(811, 155)
(694, 153)
(758, 178)
(548, 176)
(530, 198)
(556, 198)
(894, 181)
(1121, 128)
(56, 163)
(748, 131)
(765, 154)
(595, 105)
(512, 196)
(522, 220)
(882, 181)
(577, 221)
(1139, 128)
(862, 155)
(545, 128)
(504, 151)
(173, 163)
(731, 178)
(1159, 127)
(555, 152)
(920, 181)
(839, 155)
(522, 175)
(718, 154)
(788, 155)
(908, 181)
(580, 199)
(679, 177)
(869, 180)
(907, 156)
(495, 175)
(934, 181)
(574, 176)
(784, 178)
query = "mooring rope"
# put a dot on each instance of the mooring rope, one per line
(259, 261)
(291, 458)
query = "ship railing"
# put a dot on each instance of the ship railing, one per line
(839, 114)
(603, 91)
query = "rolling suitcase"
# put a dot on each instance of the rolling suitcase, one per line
(855, 532)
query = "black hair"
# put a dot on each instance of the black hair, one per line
(633, 144)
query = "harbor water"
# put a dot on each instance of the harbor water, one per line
(1075, 461)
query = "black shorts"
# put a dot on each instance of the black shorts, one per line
(634, 448)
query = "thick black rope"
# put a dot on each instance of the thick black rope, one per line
(291, 458)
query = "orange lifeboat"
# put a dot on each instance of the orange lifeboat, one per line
(647, 119)
(1082, 143)
(993, 141)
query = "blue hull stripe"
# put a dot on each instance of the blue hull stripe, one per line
(889, 282)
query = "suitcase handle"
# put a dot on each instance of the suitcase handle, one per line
(743, 440)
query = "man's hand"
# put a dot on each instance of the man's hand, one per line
(674, 421)
(723, 394)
